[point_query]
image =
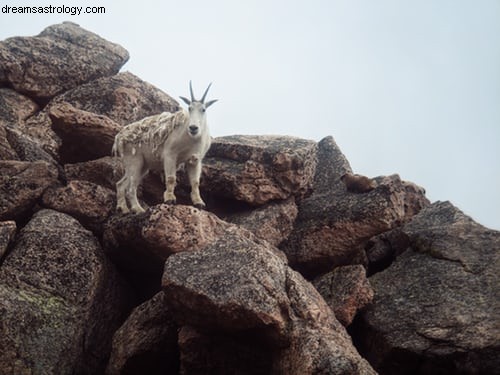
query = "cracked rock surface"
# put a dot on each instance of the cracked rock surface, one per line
(436, 307)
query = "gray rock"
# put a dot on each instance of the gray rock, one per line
(272, 222)
(123, 98)
(61, 57)
(21, 186)
(147, 342)
(14, 110)
(60, 300)
(346, 290)
(84, 135)
(333, 225)
(259, 169)
(90, 204)
(436, 307)
(237, 286)
(7, 232)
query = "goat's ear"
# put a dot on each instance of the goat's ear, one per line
(185, 100)
(209, 103)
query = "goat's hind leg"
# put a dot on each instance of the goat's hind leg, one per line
(121, 189)
(135, 177)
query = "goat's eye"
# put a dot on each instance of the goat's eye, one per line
(203, 109)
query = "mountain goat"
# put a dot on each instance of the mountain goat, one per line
(163, 142)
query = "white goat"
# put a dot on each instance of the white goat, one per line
(163, 141)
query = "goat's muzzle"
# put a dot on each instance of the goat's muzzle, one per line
(193, 129)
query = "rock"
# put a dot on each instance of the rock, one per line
(7, 232)
(90, 204)
(38, 127)
(381, 250)
(85, 135)
(123, 98)
(272, 222)
(436, 307)
(346, 290)
(189, 229)
(21, 185)
(333, 225)
(14, 110)
(140, 244)
(104, 171)
(60, 300)
(259, 169)
(147, 341)
(223, 354)
(61, 57)
(14, 107)
(27, 148)
(236, 286)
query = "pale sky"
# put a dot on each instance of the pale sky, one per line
(408, 87)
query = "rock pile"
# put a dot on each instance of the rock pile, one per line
(287, 272)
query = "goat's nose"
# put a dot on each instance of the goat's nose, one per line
(193, 128)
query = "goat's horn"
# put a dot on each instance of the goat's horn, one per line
(191, 91)
(205, 94)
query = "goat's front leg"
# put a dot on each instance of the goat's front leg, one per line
(194, 172)
(170, 168)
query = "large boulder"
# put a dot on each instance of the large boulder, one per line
(140, 244)
(89, 203)
(14, 110)
(61, 57)
(272, 222)
(123, 98)
(97, 108)
(238, 287)
(334, 224)
(84, 135)
(21, 186)
(147, 342)
(259, 169)
(346, 290)
(60, 300)
(436, 307)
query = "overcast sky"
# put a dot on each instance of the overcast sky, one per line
(408, 87)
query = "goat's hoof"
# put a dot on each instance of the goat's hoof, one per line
(170, 201)
(200, 206)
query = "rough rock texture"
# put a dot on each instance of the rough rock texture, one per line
(124, 98)
(259, 169)
(14, 110)
(61, 57)
(89, 203)
(272, 222)
(230, 302)
(104, 171)
(346, 290)
(7, 232)
(60, 300)
(21, 185)
(436, 307)
(147, 342)
(161, 231)
(236, 285)
(140, 244)
(334, 225)
(85, 135)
